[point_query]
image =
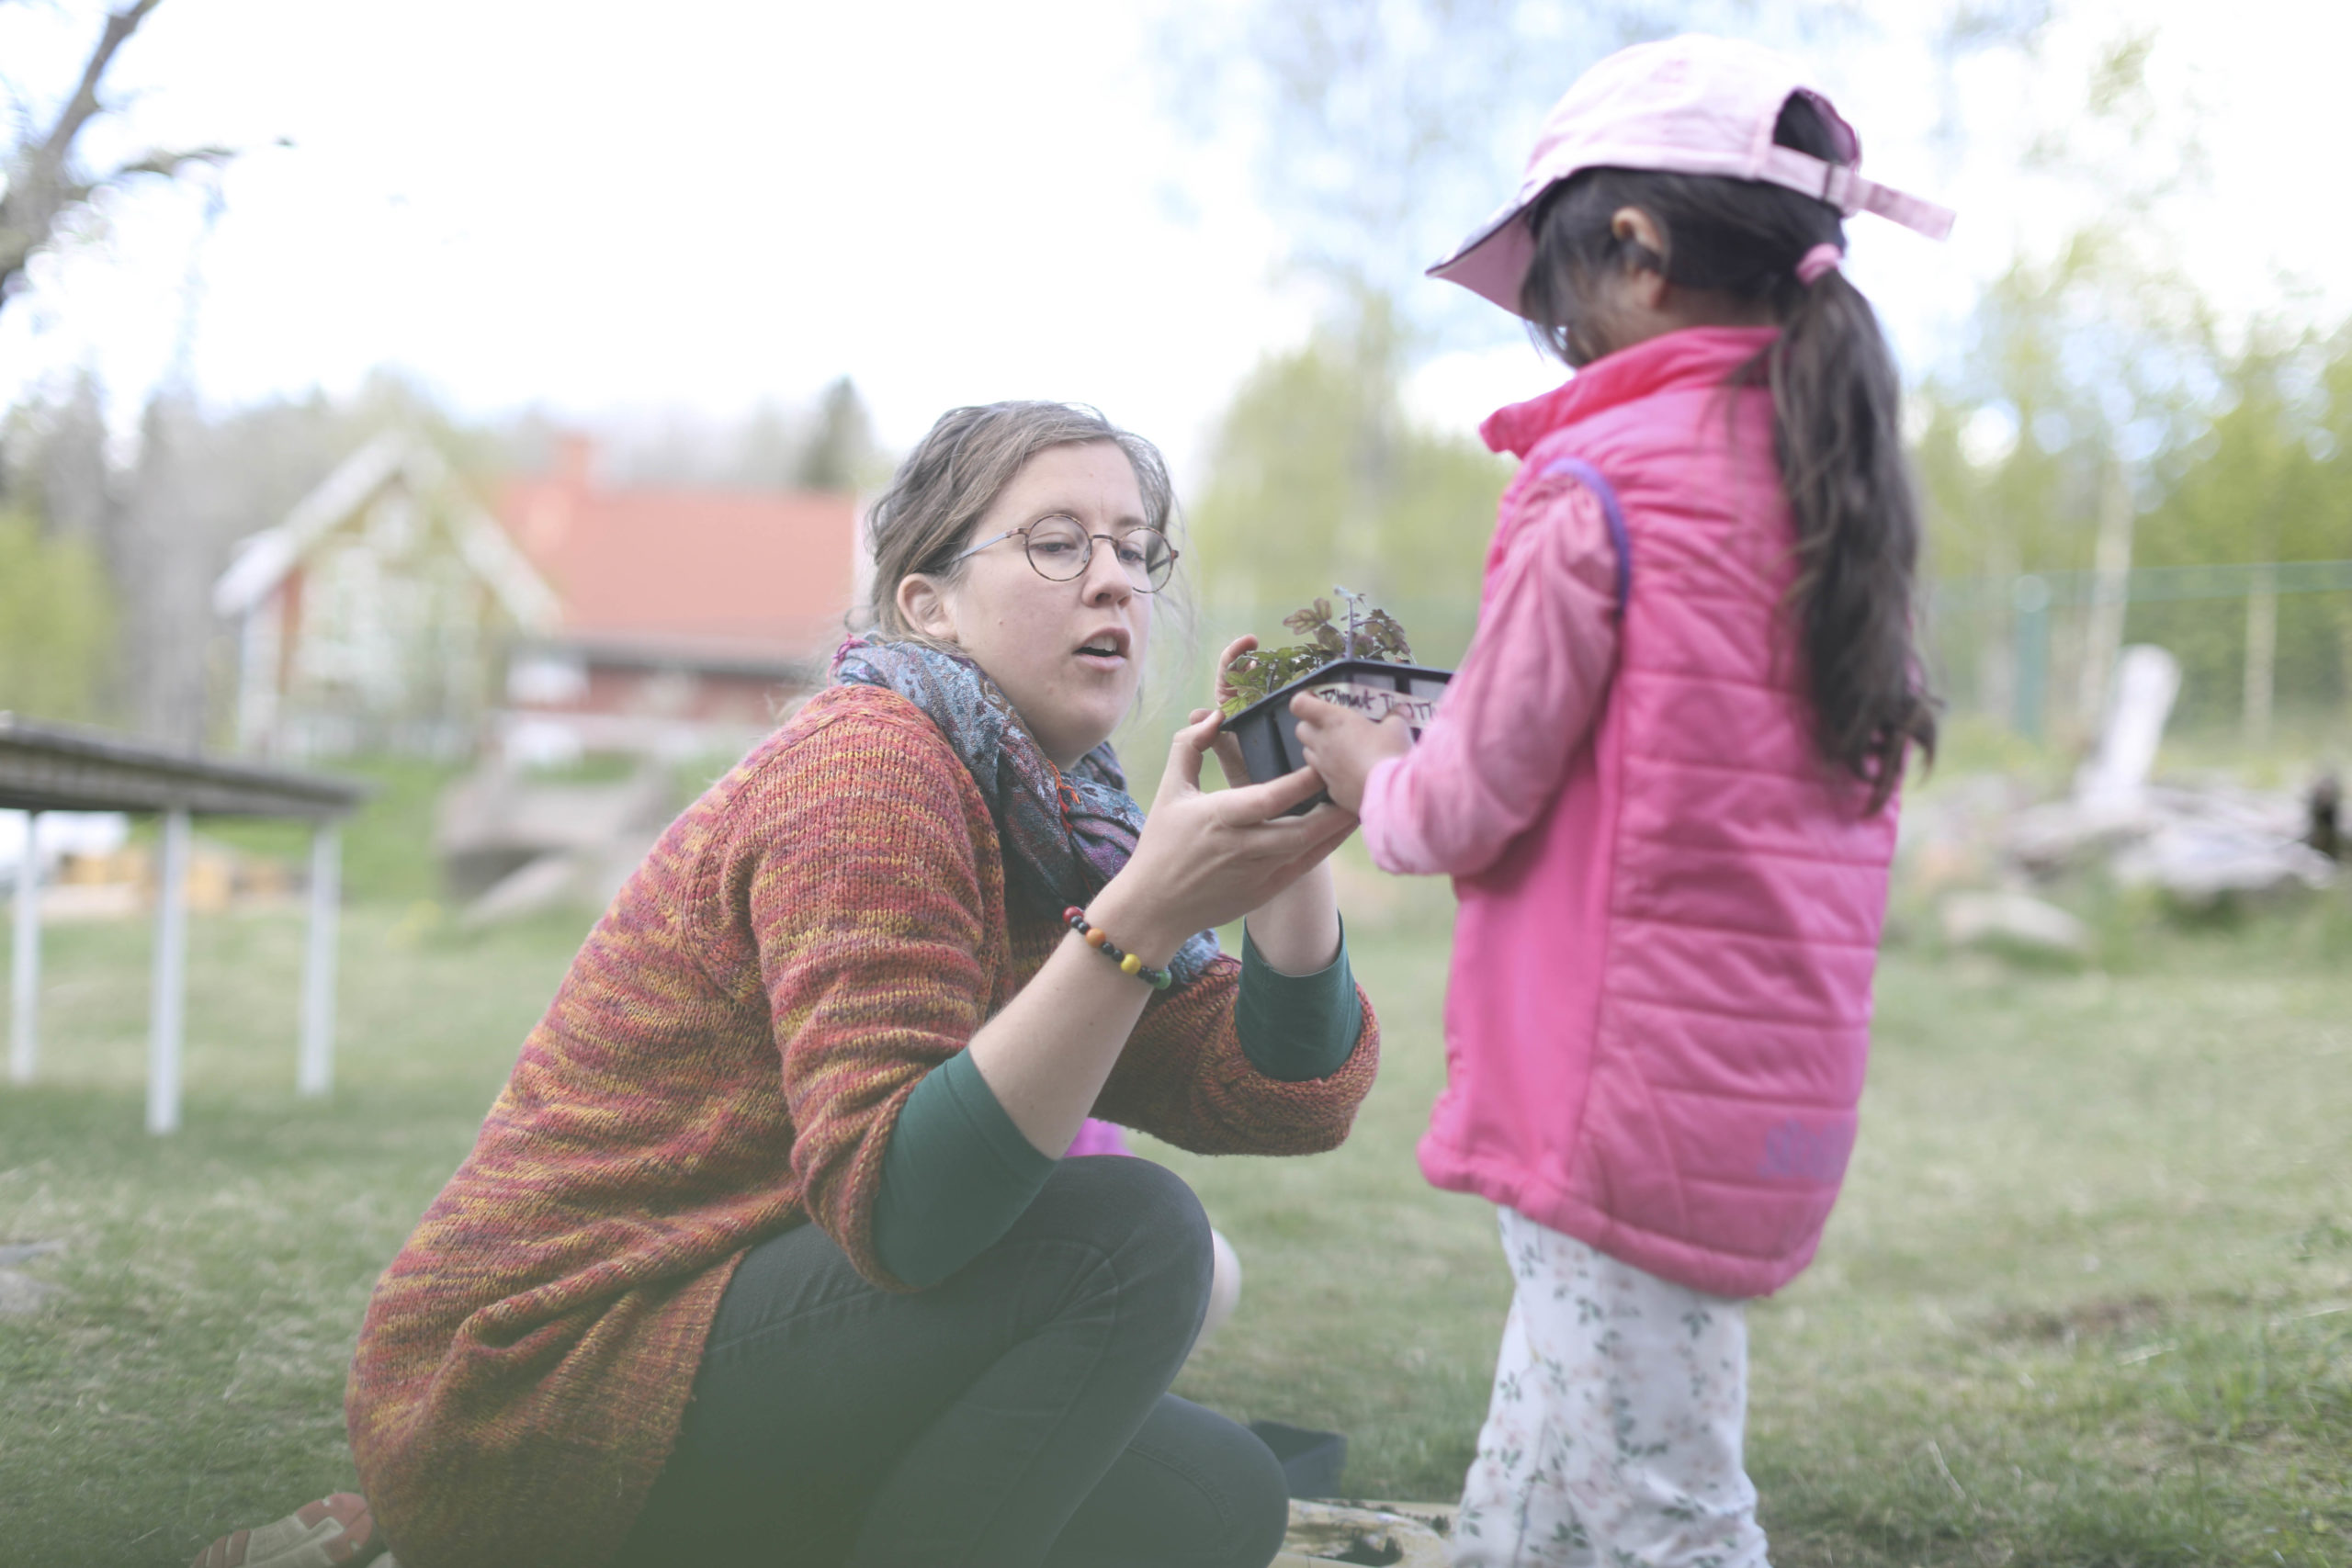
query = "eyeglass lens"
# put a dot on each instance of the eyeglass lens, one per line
(1061, 550)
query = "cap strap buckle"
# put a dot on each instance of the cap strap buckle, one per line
(1842, 186)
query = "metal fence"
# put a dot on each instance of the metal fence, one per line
(2263, 649)
(2260, 646)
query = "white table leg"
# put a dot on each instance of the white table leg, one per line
(168, 1005)
(315, 1076)
(24, 973)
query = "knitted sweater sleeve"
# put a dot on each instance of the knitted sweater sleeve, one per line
(1185, 1078)
(853, 853)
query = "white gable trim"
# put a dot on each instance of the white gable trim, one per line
(500, 563)
(264, 559)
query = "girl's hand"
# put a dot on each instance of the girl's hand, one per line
(1344, 747)
(1207, 859)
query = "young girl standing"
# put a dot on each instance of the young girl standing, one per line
(1664, 782)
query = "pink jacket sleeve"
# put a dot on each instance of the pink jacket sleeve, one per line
(1528, 691)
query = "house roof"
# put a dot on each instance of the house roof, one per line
(263, 560)
(734, 573)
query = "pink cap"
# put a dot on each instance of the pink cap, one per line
(1694, 104)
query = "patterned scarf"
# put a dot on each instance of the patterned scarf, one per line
(1065, 834)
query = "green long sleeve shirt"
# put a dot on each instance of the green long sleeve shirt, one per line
(958, 1172)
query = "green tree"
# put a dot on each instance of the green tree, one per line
(2085, 396)
(2072, 364)
(840, 449)
(2269, 476)
(1380, 134)
(1299, 498)
(2237, 455)
(2268, 480)
(56, 624)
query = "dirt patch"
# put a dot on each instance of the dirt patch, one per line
(2111, 1319)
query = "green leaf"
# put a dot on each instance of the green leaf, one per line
(1306, 622)
(1257, 675)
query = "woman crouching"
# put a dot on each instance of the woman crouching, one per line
(766, 1252)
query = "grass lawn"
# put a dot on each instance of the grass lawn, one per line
(2088, 1300)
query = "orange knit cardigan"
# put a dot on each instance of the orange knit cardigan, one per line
(725, 1060)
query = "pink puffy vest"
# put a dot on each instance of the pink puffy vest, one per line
(1660, 1002)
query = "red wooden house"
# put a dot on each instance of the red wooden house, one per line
(390, 609)
(690, 618)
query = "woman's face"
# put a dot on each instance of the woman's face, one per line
(1069, 655)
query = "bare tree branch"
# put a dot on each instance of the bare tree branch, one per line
(84, 105)
(168, 162)
(41, 190)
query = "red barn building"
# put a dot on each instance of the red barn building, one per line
(391, 609)
(689, 620)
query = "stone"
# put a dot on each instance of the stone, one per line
(1971, 920)
(2147, 681)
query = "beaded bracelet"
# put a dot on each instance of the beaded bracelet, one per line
(1158, 979)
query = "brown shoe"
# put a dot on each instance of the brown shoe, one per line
(333, 1532)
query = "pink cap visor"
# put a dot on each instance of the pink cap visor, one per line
(1692, 104)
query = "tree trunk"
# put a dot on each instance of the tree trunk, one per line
(77, 490)
(163, 559)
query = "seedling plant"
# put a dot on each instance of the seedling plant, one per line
(1368, 632)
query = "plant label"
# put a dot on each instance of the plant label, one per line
(1415, 705)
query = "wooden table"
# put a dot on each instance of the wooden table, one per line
(55, 767)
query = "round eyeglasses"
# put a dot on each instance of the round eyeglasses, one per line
(1061, 550)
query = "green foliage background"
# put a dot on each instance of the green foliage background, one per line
(1316, 478)
(2240, 452)
(57, 620)
(2093, 356)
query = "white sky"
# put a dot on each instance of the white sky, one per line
(588, 206)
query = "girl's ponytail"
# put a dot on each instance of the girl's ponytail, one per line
(1836, 430)
(1837, 406)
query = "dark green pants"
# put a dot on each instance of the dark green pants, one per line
(1015, 1414)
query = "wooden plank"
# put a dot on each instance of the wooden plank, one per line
(46, 767)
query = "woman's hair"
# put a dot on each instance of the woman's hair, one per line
(1835, 414)
(954, 475)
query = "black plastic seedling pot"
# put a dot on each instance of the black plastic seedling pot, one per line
(1312, 1461)
(1268, 733)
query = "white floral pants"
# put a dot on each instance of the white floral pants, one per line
(1613, 1438)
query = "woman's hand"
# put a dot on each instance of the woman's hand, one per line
(1207, 859)
(1228, 749)
(1343, 746)
(1201, 860)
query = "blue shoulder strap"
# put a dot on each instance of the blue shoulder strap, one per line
(1590, 477)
